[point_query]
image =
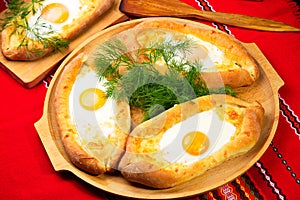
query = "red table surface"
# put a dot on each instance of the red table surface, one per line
(26, 171)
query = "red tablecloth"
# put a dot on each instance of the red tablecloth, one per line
(26, 172)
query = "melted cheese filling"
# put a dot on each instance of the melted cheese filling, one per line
(208, 54)
(55, 15)
(94, 127)
(218, 131)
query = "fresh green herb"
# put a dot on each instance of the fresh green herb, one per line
(17, 16)
(19, 9)
(143, 84)
(154, 92)
(111, 55)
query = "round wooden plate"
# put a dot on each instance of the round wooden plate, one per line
(265, 90)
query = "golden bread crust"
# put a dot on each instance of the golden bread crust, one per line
(135, 155)
(97, 8)
(11, 50)
(11, 40)
(139, 164)
(67, 129)
(242, 69)
(110, 150)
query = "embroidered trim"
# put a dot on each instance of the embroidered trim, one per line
(240, 189)
(228, 192)
(295, 6)
(250, 184)
(290, 116)
(204, 5)
(284, 162)
(47, 80)
(263, 171)
(215, 194)
(6, 2)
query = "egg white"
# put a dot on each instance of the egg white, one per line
(75, 7)
(217, 130)
(215, 55)
(95, 125)
(208, 54)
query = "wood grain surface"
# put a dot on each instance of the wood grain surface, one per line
(264, 90)
(176, 8)
(30, 73)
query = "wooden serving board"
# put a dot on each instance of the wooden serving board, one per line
(264, 90)
(30, 73)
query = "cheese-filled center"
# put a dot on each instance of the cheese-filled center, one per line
(196, 138)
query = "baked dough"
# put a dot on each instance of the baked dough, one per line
(97, 155)
(12, 36)
(144, 161)
(238, 67)
(134, 147)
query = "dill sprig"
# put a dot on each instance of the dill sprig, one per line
(143, 85)
(152, 91)
(110, 56)
(18, 10)
(17, 15)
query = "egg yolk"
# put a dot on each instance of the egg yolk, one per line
(55, 12)
(195, 143)
(92, 99)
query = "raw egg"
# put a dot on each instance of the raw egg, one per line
(195, 143)
(55, 12)
(92, 99)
